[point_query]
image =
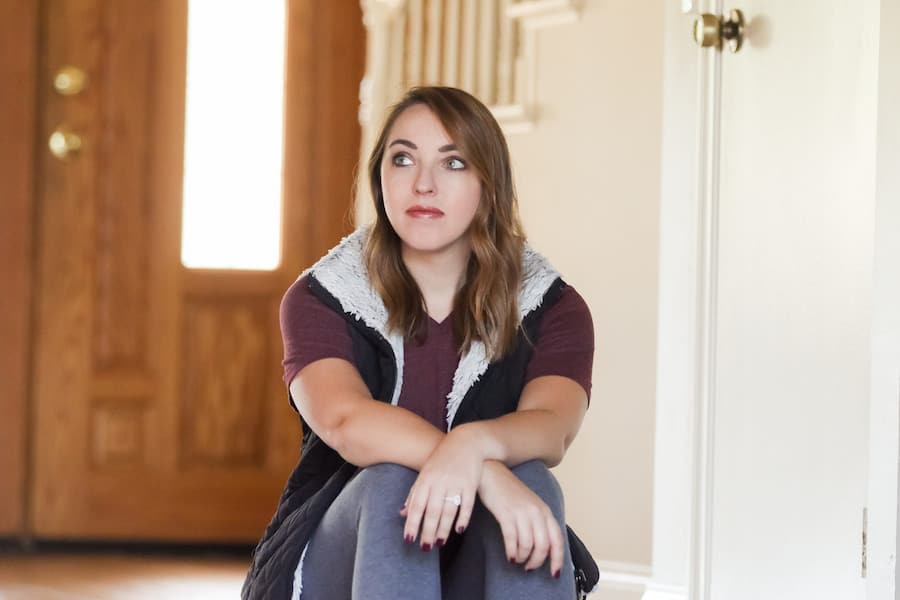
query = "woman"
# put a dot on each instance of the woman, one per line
(439, 366)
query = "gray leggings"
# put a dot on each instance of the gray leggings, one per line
(358, 553)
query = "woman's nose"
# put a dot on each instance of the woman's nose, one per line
(424, 182)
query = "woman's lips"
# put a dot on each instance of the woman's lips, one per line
(425, 212)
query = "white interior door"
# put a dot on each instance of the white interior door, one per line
(792, 307)
(778, 382)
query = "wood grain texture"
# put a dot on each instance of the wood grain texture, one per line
(18, 114)
(117, 435)
(339, 62)
(161, 414)
(66, 196)
(120, 320)
(110, 575)
(225, 381)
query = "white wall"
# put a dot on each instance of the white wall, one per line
(588, 180)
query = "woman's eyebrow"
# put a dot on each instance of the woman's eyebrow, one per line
(403, 142)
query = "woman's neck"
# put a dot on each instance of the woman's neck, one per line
(439, 276)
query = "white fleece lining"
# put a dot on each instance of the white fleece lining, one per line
(343, 273)
(298, 575)
(537, 277)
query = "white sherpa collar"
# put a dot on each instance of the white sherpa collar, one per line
(343, 273)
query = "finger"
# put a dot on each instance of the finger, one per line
(433, 510)
(448, 515)
(464, 516)
(405, 508)
(541, 547)
(557, 546)
(415, 509)
(526, 538)
(510, 538)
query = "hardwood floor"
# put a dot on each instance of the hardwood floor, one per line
(108, 576)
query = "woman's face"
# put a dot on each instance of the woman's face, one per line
(430, 192)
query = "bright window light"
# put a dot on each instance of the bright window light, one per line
(233, 135)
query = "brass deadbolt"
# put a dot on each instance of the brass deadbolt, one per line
(70, 81)
(63, 143)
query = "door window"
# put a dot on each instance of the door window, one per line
(233, 135)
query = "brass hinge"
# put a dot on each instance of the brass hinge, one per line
(864, 541)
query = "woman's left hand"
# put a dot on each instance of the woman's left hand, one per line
(453, 471)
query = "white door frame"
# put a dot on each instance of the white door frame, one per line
(884, 401)
(687, 286)
(688, 202)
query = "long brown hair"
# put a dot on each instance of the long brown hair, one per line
(486, 306)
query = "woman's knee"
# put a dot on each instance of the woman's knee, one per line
(385, 485)
(389, 472)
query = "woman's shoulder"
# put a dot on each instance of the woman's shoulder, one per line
(572, 308)
(300, 303)
(565, 341)
(299, 291)
(310, 330)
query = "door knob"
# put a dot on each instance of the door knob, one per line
(70, 81)
(711, 30)
(63, 143)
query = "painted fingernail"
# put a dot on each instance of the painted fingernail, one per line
(556, 575)
(426, 547)
(460, 529)
(512, 560)
(408, 538)
(441, 542)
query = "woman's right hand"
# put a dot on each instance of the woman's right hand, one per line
(530, 531)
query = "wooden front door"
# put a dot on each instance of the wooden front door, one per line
(159, 412)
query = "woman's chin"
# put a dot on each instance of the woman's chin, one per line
(430, 244)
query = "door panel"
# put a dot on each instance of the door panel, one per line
(18, 63)
(159, 407)
(796, 224)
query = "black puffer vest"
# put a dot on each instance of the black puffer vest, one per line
(481, 390)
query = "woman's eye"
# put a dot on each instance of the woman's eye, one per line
(456, 164)
(401, 160)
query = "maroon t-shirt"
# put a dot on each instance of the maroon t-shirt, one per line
(312, 331)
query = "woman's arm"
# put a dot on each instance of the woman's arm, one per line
(551, 410)
(335, 402)
(531, 534)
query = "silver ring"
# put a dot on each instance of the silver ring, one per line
(457, 499)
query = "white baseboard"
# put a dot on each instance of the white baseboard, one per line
(627, 577)
(659, 591)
